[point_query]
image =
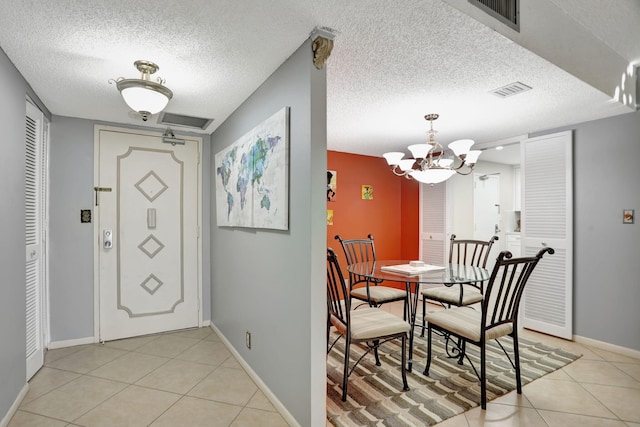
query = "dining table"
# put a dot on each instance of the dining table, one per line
(412, 275)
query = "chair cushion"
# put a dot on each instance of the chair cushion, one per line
(451, 295)
(379, 294)
(465, 321)
(371, 323)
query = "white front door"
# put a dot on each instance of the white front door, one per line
(147, 229)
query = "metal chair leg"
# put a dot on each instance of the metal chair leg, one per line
(404, 363)
(462, 345)
(428, 364)
(345, 375)
(483, 375)
(424, 307)
(516, 355)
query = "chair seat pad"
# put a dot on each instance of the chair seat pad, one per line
(379, 294)
(465, 321)
(451, 295)
(371, 323)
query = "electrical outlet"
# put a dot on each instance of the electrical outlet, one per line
(248, 340)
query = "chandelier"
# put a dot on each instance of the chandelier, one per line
(143, 95)
(429, 164)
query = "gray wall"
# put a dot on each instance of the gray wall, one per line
(607, 252)
(71, 242)
(272, 282)
(12, 229)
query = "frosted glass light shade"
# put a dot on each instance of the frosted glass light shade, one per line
(420, 151)
(144, 95)
(432, 176)
(461, 146)
(393, 158)
(406, 164)
(472, 157)
(144, 99)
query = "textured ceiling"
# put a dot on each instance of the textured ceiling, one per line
(392, 63)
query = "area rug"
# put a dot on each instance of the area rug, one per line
(375, 396)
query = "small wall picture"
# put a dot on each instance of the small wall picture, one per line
(367, 192)
(329, 216)
(332, 179)
(627, 216)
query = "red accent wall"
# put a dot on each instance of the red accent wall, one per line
(392, 215)
(410, 211)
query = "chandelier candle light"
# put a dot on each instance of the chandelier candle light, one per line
(429, 165)
(143, 95)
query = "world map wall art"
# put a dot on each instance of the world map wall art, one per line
(252, 188)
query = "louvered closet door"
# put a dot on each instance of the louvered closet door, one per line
(547, 220)
(34, 218)
(432, 227)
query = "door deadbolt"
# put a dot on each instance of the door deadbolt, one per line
(107, 239)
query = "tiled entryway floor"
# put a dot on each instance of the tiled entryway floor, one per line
(189, 378)
(186, 378)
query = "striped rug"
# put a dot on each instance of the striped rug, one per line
(375, 396)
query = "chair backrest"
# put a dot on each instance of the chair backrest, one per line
(473, 253)
(338, 305)
(504, 290)
(358, 250)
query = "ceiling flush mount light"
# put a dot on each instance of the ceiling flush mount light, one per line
(429, 164)
(143, 95)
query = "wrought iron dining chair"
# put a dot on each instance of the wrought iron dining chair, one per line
(370, 326)
(497, 318)
(464, 252)
(364, 288)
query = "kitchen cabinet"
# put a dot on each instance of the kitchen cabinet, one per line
(513, 244)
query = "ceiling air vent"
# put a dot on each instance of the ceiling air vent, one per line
(510, 90)
(179, 120)
(505, 11)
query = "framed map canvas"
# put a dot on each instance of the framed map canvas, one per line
(251, 177)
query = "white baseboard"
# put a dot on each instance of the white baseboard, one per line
(206, 323)
(15, 406)
(71, 343)
(261, 385)
(629, 352)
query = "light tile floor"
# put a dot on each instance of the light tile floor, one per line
(185, 378)
(601, 389)
(189, 378)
